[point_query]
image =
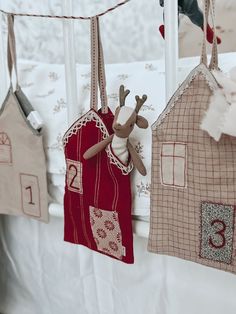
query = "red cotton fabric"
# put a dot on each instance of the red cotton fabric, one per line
(97, 201)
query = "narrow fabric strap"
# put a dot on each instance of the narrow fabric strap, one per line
(94, 64)
(209, 5)
(214, 55)
(101, 72)
(11, 49)
(205, 14)
(97, 68)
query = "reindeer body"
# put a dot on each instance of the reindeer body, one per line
(119, 144)
(124, 121)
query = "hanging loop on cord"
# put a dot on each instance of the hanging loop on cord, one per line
(11, 49)
(209, 7)
(65, 16)
(98, 78)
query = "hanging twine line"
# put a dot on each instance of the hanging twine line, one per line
(65, 16)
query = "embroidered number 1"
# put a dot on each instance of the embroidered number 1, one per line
(217, 232)
(30, 195)
(30, 190)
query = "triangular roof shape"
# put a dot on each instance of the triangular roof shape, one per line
(200, 69)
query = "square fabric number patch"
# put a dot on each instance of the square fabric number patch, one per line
(74, 176)
(217, 230)
(30, 197)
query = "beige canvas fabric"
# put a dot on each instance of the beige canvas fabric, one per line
(23, 185)
(193, 179)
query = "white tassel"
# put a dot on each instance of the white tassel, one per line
(230, 120)
(221, 114)
(229, 87)
(213, 120)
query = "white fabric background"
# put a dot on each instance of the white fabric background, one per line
(130, 33)
(42, 275)
(39, 273)
(49, 99)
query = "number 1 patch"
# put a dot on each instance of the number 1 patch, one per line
(217, 230)
(74, 176)
(30, 195)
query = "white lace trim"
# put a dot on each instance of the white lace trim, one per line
(89, 116)
(93, 116)
(201, 68)
(115, 161)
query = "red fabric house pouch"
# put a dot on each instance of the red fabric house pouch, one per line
(97, 201)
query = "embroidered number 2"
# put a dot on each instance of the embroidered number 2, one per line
(217, 231)
(74, 176)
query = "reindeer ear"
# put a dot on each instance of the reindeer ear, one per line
(141, 122)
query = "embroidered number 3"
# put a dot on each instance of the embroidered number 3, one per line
(74, 176)
(217, 231)
(221, 233)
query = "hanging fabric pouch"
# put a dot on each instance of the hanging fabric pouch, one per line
(95, 191)
(23, 185)
(193, 176)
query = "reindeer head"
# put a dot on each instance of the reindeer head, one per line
(126, 117)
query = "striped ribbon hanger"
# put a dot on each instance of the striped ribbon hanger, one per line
(65, 16)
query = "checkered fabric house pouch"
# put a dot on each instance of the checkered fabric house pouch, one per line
(193, 176)
(23, 184)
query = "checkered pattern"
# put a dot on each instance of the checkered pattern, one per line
(211, 177)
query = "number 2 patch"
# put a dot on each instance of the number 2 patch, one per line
(217, 230)
(74, 176)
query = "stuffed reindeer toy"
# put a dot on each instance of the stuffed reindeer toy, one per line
(124, 121)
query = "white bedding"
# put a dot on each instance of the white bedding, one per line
(41, 274)
(49, 98)
(44, 84)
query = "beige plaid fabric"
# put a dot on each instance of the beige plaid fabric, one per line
(193, 181)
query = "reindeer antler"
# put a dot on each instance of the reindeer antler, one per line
(140, 102)
(123, 94)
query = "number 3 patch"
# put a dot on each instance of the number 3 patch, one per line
(74, 176)
(217, 230)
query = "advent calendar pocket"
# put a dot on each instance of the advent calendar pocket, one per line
(106, 231)
(193, 176)
(23, 184)
(97, 200)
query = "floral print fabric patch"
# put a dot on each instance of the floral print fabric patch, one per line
(106, 231)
